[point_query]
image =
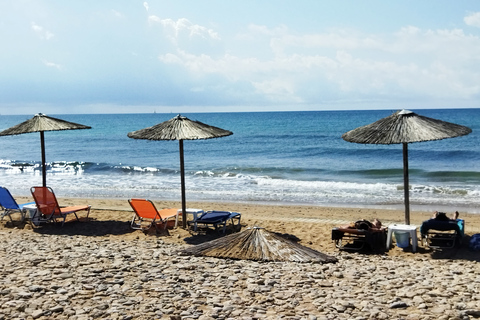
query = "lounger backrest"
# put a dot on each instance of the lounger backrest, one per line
(144, 208)
(439, 225)
(46, 201)
(6, 199)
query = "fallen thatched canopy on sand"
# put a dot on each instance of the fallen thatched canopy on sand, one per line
(260, 245)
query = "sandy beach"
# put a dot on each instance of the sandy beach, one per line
(399, 284)
(312, 225)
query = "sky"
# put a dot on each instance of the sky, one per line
(129, 56)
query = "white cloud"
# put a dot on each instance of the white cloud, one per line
(184, 26)
(255, 58)
(411, 62)
(473, 19)
(154, 19)
(266, 31)
(117, 13)
(278, 90)
(52, 64)
(41, 32)
(170, 59)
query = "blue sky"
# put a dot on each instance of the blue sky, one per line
(119, 56)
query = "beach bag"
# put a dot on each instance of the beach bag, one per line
(475, 242)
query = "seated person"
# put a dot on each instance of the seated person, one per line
(364, 225)
(361, 235)
(377, 224)
(440, 221)
(442, 216)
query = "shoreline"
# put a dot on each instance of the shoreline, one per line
(397, 207)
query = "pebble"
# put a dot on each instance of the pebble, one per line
(85, 277)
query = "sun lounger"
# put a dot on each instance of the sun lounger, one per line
(48, 208)
(146, 215)
(9, 205)
(352, 239)
(218, 219)
(442, 234)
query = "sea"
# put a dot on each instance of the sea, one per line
(280, 158)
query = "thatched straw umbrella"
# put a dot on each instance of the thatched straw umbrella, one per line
(260, 245)
(405, 127)
(180, 128)
(41, 123)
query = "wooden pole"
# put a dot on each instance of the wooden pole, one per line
(44, 161)
(406, 183)
(182, 177)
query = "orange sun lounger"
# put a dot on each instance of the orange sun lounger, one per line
(48, 208)
(146, 215)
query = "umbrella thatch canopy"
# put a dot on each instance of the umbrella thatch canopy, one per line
(180, 128)
(405, 127)
(260, 245)
(41, 123)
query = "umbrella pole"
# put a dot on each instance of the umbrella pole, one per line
(406, 183)
(44, 161)
(182, 177)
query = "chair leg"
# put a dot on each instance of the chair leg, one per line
(224, 226)
(338, 243)
(137, 226)
(10, 215)
(132, 223)
(233, 223)
(36, 219)
(88, 211)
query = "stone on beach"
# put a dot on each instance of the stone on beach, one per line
(45, 276)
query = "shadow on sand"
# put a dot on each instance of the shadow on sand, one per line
(92, 227)
(209, 234)
(463, 252)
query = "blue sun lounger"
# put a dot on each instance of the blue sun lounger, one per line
(218, 219)
(9, 205)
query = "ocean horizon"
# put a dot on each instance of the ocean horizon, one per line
(291, 157)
